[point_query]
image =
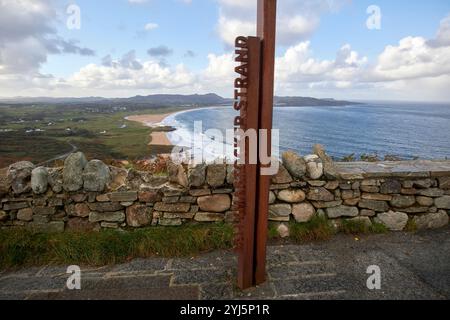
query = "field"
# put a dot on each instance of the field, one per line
(40, 133)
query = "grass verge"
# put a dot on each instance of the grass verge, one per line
(19, 248)
(319, 229)
(22, 248)
(316, 229)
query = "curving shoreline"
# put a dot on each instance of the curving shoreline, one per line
(153, 121)
(157, 120)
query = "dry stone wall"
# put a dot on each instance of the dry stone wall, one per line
(89, 195)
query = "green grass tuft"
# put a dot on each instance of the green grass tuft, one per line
(319, 228)
(354, 227)
(359, 227)
(23, 248)
(411, 226)
(273, 232)
(316, 229)
(378, 228)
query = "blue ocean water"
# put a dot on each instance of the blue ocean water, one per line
(404, 130)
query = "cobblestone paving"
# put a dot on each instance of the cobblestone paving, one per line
(413, 266)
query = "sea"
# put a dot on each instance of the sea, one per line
(404, 130)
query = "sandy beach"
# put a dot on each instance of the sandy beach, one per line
(152, 120)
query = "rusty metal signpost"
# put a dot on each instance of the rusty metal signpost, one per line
(253, 96)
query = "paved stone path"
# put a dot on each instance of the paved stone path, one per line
(413, 266)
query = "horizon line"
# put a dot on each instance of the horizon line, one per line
(212, 93)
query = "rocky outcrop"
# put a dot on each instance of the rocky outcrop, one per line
(214, 203)
(320, 194)
(394, 221)
(123, 196)
(431, 220)
(295, 164)
(272, 197)
(39, 180)
(443, 202)
(291, 195)
(280, 212)
(216, 175)
(375, 205)
(25, 215)
(444, 183)
(96, 176)
(117, 216)
(283, 230)
(303, 212)
(400, 201)
(197, 175)
(73, 172)
(78, 210)
(138, 215)
(314, 167)
(172, 207)
(391, 187)
(118, 179)
(149, 196)
(177, 174)
(209, 217)
(55, 179)
(282, 177)
(19, 176)
(329, 168)
(342, 211)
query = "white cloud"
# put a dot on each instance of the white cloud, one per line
(443, 34)
(412, 58)
(219, 75)
(151, 26)
(415, 59)
(27, 37)
(297, 20)
(121, 74)
(230, 28)
(137, 1)
(297, 65)
(414, 69)
(242, 4)
(113, 77)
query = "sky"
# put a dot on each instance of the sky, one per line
(343, 49)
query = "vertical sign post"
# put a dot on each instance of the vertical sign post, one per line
(247, 93)
(254, 99)
(266, 31)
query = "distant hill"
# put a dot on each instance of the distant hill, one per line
(43, 100)
(152, 100)
(310, 102)
(178, 99)
(159, 100)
